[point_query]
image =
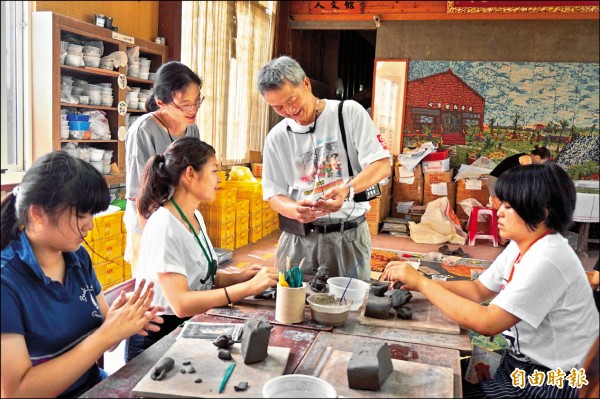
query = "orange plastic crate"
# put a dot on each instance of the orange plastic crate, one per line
(220, 229)
(225, 243)
(255, 234)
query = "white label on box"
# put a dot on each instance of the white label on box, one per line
(439, 189)
(123, 38)
(436, 166)
(406, 180)
(473, 184)
(403, 207)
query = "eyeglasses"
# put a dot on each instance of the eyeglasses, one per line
(311, 129)
(189, 108)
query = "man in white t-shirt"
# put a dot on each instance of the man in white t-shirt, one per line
(306, 176)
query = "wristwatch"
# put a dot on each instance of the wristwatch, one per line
(350, 196)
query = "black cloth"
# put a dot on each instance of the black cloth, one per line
(136, 344)
(506, 164)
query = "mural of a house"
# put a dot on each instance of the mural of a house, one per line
(443, 104)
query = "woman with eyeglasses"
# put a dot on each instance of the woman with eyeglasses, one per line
(176, 253)
(172, 107)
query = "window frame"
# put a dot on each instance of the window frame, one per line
(20, 12)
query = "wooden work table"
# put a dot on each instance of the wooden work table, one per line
(307, 342)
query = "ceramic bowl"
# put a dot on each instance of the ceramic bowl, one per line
(298, 386)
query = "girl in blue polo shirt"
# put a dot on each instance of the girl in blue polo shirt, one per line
(55, 321)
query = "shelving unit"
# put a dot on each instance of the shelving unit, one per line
(47, 30)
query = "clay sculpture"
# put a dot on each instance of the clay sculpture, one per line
(378, 307)
(404, 313)
(370, 366)
(162, 368)
(255, 340)
(223, 341)
(379, 288)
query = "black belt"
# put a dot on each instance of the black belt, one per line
(331, 228)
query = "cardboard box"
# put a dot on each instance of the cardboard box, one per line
(436, 166)
(470, 188)
(438, 177)
(409, 189)
(438, 190)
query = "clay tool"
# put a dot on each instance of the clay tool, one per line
(349, 281)
(226, 377)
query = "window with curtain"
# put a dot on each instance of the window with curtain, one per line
(226, 43)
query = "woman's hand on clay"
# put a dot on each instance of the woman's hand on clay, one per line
(127, 316)
(265, 277)
(401, 271)
(249, 271)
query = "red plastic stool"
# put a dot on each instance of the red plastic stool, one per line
(492, 233)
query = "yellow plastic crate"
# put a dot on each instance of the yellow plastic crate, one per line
(215, 213)
(225, 243)
(265, 205)
(220, 229)
(255, 219)
(266, 215)
(110, 273)
(105, 250)
(241, 238)
(226, 196)
(223, 175)
(126, 270)
(274, 224)
(106, 226)
(256, 205)
(242, 223)
(266, 229)
(246, 189)
(242, 208)
(255, 234)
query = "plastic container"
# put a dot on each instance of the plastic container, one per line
(298, 386)
(77, 117)
(96, 154)
(73, 60)
(98, 165)
(356, 290)
(79, 125)
(326, 309)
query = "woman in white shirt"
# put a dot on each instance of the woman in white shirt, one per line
(175, 251)
(540, 298)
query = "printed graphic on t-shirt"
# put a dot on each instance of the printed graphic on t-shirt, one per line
(89, 292)
(321, 169)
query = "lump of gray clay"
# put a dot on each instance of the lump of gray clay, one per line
(399, 297)
(162, 368)
(378, 307)
(241, 386)
(223, 341)
(379, 288)
(404, 313)
(255, 340)
(370, 366)
(224, 354)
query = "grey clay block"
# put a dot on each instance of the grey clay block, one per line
(379, 288)
(378, 307)
(255, 340)
(370, 366)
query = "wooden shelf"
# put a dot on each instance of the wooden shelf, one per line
(136, 111)
(100, 107)
(138, 80)
(90, 71)
(48, 29)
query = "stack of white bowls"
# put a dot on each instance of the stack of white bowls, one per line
(64, 127)
(74, 56)
(66, 84)
(143, 98)
(144, 68)
(94, 92)
(106, 92)
(96, 157)
(91, 56)
(79, 86)
(132, 99)
(133, 69)
(107, 63)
